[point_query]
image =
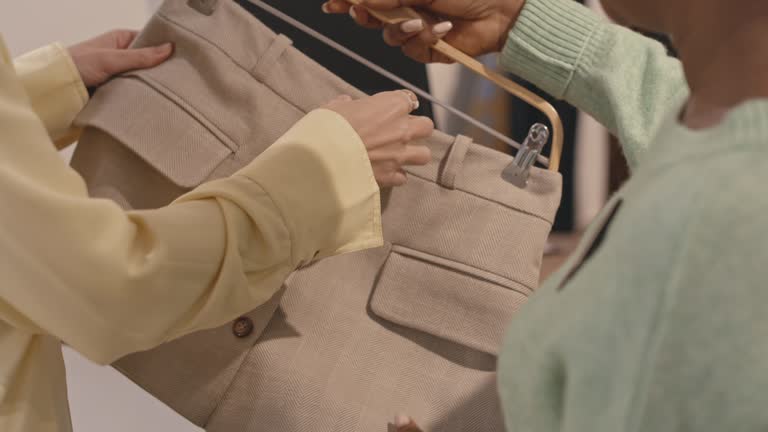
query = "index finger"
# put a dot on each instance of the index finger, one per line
(398, 102)
(406, 424)
(393, 4)
(359, 13)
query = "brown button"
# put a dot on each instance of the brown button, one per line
(242, 327)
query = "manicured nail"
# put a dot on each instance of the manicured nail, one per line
(412, 26)
(412, 98)
(326, 8)
(402, 420)
(352, 13)
(165, 48)
(442, 28)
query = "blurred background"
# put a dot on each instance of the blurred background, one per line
(101, 399)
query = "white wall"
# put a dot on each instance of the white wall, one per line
(28, 24)
(101, 399)
(442, 82)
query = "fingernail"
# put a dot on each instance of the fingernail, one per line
(412, 98)
(402, 420)
(352, 13)
(442, 28)
(326, 8)
(412, 26)
(165, 48)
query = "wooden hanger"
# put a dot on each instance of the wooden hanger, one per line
(400, 15)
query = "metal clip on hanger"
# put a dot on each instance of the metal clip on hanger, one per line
(396, 16)
(519, 170)
(400, 15)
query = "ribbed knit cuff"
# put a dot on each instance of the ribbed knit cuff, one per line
(549, 42)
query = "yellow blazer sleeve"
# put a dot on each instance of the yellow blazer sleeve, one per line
(55, 89)
(109, 283)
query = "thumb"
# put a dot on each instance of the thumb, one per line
(404, 423)
(393, 4)
(118, 61)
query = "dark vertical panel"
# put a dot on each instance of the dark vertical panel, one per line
(342, 29)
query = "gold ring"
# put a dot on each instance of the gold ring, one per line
(412, 98)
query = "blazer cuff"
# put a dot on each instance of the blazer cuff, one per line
(320, 178)
(54, 87)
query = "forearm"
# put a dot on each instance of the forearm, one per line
(109, 283)
(624, 80)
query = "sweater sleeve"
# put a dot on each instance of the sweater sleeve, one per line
(623, 79)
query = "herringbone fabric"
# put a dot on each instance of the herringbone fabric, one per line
(351, 341)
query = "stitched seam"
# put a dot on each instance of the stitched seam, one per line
(396, 246)
(194, 112)
(579, 64)
(376, 217)
(578, 258)
(455, 161)
(519, 40)
(272, 54)
(77, 83)
(279, 210)
(226, 391)
(163, 90)
(517, 210)
(232, 59)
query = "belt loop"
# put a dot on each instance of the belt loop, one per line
(452, 162)
(268, 59)
(205, 7)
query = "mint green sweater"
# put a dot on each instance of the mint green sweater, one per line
(662, 326)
